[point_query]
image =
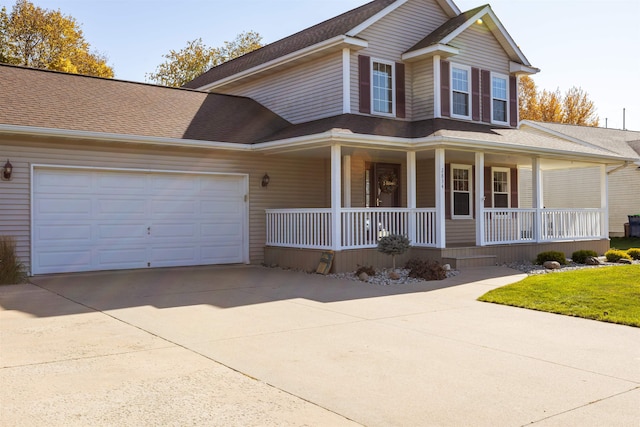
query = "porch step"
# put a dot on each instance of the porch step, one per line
(470, 261)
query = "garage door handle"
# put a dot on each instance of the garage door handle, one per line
(148, 230)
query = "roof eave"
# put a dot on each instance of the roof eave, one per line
(520, 69)
(335, 42)
(437, 49)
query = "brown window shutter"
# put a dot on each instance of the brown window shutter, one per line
(488, 184)
(513, 101)
(445, 88)
(486, 96)
(364, 76)
(514, 187)
(401, 109)
(447, 191)
(475, 94)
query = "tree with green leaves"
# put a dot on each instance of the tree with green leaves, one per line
(47, 39)
(574, 107)
(196, 58)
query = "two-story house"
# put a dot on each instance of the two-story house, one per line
(398, 117)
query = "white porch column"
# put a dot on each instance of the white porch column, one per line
(346, 168)
(441, 240)
(411, 193)
(604, 202)
(336, 197)
(480, 240)
(537, 201)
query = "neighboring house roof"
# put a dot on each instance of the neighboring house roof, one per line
(623, 142)
(48, 99)
(339, 25)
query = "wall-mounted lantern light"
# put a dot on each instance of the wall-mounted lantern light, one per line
(265, 180)
(7, 170)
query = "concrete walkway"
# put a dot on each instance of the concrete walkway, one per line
(249, 346)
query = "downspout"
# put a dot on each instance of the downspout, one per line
(622, 166)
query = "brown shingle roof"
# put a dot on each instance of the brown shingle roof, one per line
(445, 29)
(326, 30)
(47, 99)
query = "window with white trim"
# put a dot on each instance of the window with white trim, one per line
(499, 99)
(500, 187)
(382, 87)
(460, 91)
(461, 191)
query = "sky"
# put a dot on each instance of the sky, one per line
(592, 44)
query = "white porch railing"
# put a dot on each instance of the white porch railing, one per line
(519, 225)
(363, 227)
(299, 228)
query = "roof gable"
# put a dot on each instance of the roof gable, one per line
(440, 38)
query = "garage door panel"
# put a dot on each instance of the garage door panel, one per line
(123, 258)
(112, 207)
(60, 208)
(102, 220)
(125, 233)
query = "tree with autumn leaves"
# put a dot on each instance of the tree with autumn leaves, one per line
(574, 107)
(186, 64)
(47, 39)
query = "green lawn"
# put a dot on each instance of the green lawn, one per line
(608, 294)
(624, 242)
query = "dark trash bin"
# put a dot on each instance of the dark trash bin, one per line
(634, 225)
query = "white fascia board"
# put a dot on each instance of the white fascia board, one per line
(483, 12)
(375, 18)
(562, 135)
(326, 44)
(517, 68)
(116, 137)
(436, 49)
(449, 7)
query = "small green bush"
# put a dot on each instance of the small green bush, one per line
(369, 270)
(11, 269)
(634, 253)
(425, 269)
(394, 244)
(551, 256)
(615, 255)
(581, 256)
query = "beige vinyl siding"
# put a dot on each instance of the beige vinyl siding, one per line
(425, 186)
(393, 35)
(303, 93)
(571, 188)
(422, 90)
(295, 182)
(479, 48)
(525, 188)
(460, 232)
(624, 198)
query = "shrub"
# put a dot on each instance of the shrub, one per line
(581, 256)
(615, 255)
(425, 269)
(11, 269)
(551, 256)
(369, 270)
(393, 245)
(634, 253)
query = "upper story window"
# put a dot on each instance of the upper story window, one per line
(460, 91)
(499, 99)
(382, 87)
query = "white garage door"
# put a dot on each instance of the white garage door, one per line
(86, 220)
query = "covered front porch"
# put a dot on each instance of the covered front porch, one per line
(455, 205)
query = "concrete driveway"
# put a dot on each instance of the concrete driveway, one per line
(250, 346)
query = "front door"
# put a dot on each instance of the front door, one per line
(383, 185)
